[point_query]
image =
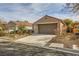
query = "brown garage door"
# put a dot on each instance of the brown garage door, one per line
(47, 28)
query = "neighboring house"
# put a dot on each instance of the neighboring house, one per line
(24, 23)
(49, 25)
(17, 24)
(11, 25)
(76, 28)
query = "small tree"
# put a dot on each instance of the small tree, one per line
(69, 23)
(22, 29)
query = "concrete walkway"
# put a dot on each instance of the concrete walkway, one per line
(36, 40)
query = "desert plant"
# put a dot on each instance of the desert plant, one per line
(2, 33)
(0, 28)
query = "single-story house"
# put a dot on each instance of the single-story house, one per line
(49, 25)
(11, 25)
(28, 25)
(76, 28)
(16, 24)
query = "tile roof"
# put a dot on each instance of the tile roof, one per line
(23, 24)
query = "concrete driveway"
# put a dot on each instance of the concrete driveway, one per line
(36, 40)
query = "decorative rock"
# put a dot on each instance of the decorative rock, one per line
(57, 45)
(76, 47)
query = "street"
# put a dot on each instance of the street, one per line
(18, 49)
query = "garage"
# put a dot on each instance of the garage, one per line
(49, 25)
(47, 28)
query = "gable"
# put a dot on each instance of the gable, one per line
(47, 19)
(11, 24)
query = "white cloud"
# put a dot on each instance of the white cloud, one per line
(40, 6)
(31, 11)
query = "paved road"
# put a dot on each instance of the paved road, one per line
(17, 49)
(22, 47)
(36, 40)
(41, 41)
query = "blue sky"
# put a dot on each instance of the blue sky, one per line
(32, 12)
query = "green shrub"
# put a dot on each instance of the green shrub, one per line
(12, 32)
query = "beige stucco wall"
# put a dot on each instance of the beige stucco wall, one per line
(35, 28)
(61, 28)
